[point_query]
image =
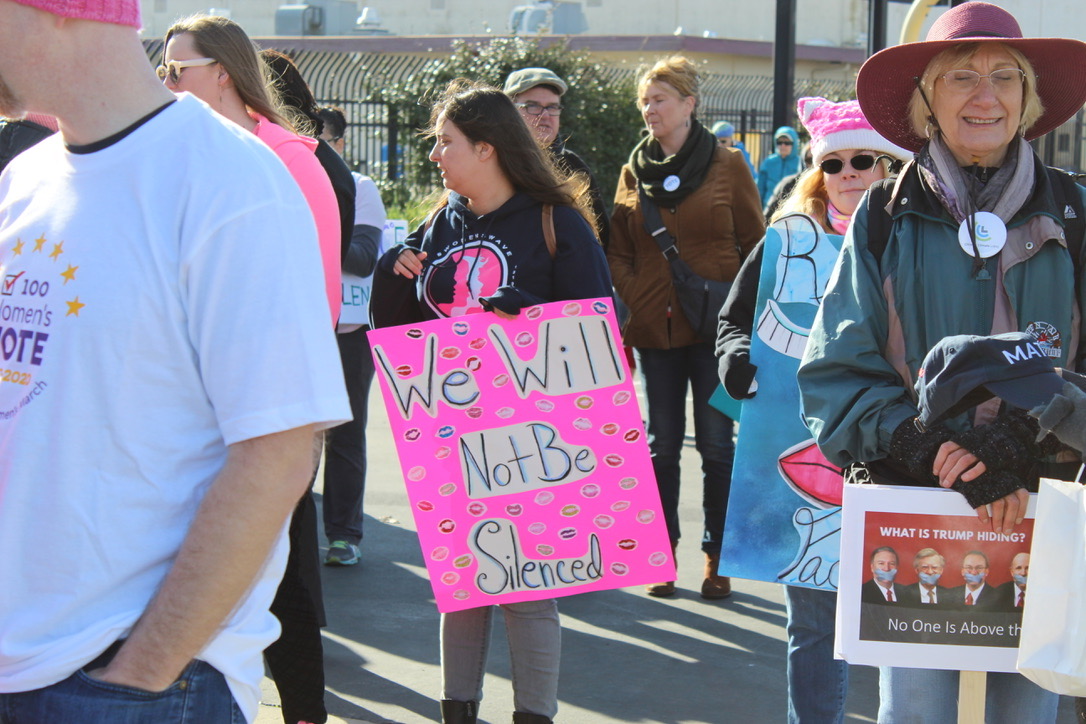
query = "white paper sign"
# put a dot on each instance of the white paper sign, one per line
(356, 290)
(944, 624)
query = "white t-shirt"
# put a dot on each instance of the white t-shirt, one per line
(161, 299)
(368, 211)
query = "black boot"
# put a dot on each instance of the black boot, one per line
(520, 717)
(459, 712)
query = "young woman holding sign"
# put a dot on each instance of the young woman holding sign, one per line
(508, 233)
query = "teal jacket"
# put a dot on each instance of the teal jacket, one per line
(879, 318)
(775, 167)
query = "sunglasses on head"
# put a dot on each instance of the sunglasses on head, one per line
(860, 162)
(172, 70)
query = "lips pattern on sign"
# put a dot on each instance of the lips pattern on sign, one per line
(524, 454)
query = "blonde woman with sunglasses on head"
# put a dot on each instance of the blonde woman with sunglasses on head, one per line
(213, 59)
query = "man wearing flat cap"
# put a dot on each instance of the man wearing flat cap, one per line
(537, 94)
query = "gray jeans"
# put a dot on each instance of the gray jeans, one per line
(535, 647)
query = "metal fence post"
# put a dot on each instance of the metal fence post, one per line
(393, 142)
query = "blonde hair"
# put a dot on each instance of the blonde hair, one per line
(225, 41)
(678, 72)
(955, 57)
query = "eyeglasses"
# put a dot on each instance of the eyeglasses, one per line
(860, 162)
(784, 142)
(964, 80)
(537, 109)
(172, 70)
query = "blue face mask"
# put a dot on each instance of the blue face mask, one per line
(930, 579)
(1020, 580)
(886, 576)
(973, 578)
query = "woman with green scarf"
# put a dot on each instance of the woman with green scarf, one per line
(707, 201)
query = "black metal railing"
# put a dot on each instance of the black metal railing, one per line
(375, 136)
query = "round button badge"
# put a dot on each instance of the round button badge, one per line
(991, 234)
(671, 183)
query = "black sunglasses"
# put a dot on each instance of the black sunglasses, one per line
(860, 162)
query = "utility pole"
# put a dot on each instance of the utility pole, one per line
(876, 26)
(784, 64)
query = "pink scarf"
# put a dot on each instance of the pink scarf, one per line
(838, 220)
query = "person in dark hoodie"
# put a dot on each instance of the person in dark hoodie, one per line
(508, 233)
(784, 162)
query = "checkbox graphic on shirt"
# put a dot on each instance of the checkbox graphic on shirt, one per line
(9, 284)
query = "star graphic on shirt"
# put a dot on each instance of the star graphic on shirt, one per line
(18, 248)
(58, 249)
(39, 243)
(74, 306)
(69, 274)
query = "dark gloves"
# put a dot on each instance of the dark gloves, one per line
(736, 374)
(1009, 449)
(916, 450)
(509, 300)
(1064, 416)
(1006, 443)
(989, 487)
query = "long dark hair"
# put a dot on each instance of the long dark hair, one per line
(293, 91)
(485, 114)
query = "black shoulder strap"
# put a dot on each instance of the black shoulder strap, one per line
(1066, 192)
(878, 221)
(654, 226)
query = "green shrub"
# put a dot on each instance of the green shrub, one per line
(600, 120)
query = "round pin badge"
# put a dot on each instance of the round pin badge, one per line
(671, 183)
(991, 234)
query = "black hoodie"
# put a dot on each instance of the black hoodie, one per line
(500, 258)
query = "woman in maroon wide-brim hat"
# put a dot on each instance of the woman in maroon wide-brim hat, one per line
(976, 236)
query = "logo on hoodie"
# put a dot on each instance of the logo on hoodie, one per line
(465, 273)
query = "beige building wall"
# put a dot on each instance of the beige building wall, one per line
(840, 23)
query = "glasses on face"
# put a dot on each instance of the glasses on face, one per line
(860, 162)
(784, 142)
(975, 569)
(172, 70)
(537, 109)
(964, 80)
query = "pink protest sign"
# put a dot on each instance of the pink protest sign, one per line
(524, 454)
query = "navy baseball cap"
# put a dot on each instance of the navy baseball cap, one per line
(962, 371)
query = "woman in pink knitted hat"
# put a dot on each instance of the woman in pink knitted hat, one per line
(849, 155)
(976, 237)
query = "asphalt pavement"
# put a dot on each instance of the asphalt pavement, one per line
(626, 657)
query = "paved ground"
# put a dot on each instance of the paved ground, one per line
(626, 657)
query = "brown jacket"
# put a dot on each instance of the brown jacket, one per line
(724, 213)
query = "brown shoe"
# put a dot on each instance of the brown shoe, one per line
(714, 587)
(663, 590)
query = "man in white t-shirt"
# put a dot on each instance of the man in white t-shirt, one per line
(164, 362)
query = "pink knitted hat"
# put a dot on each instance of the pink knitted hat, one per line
(121, 12)
(841, 126)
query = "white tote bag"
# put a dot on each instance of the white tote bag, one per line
(1052, 647)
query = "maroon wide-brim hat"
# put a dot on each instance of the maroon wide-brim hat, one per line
(886, 81)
